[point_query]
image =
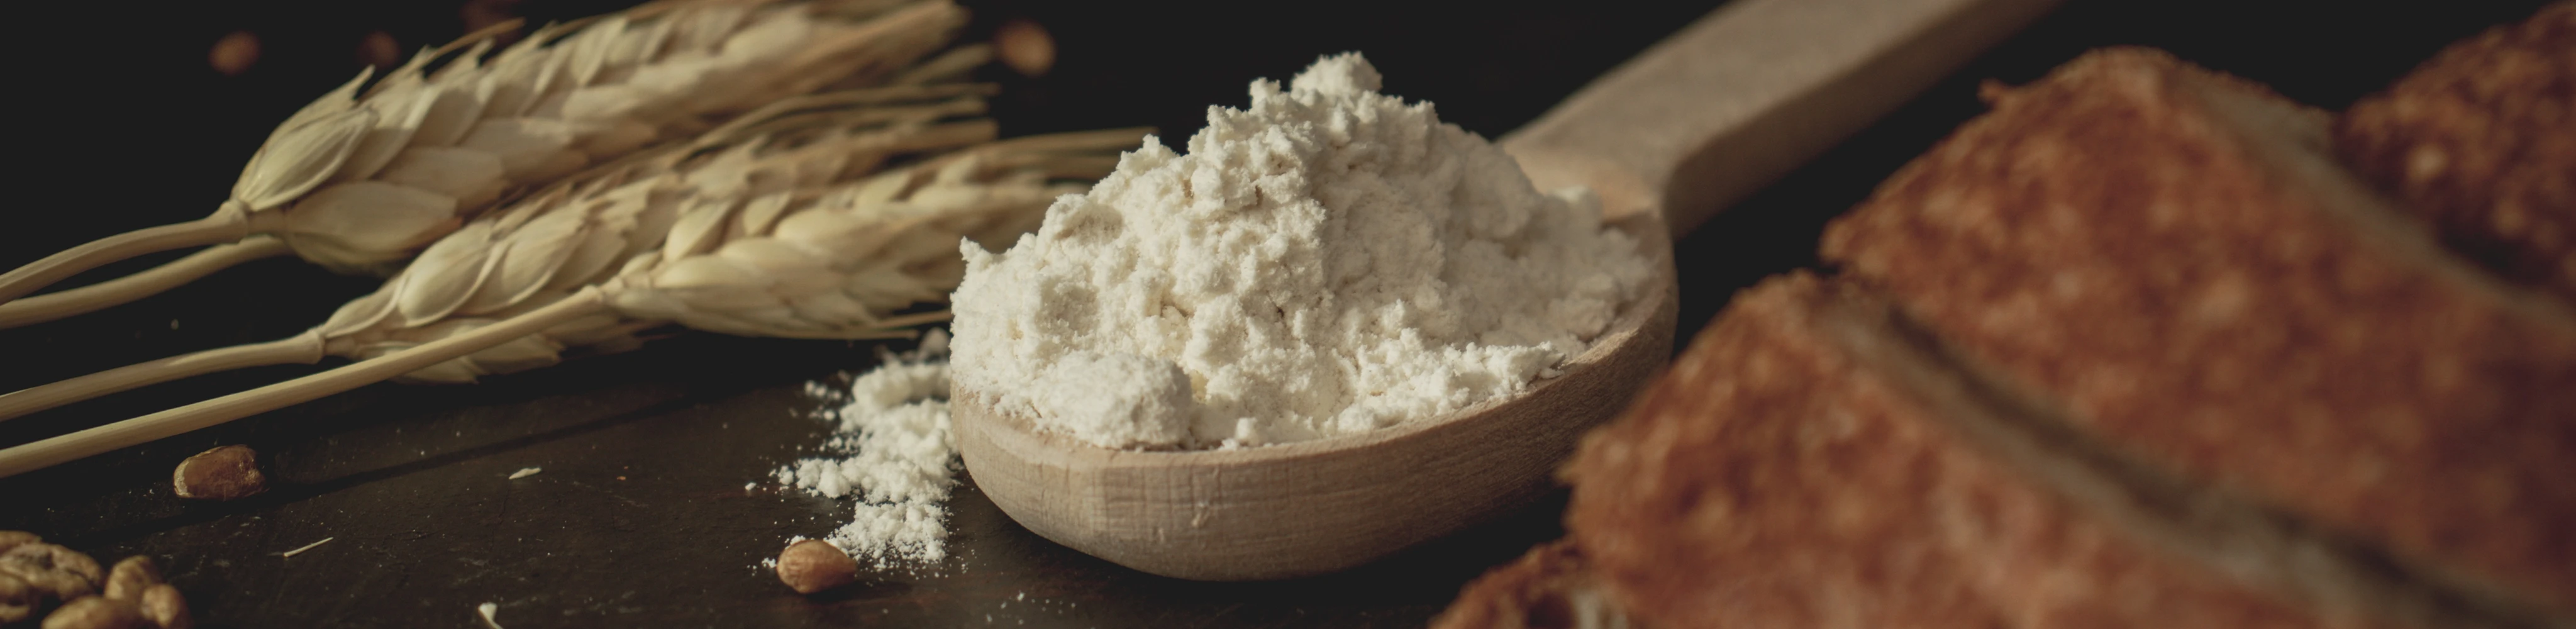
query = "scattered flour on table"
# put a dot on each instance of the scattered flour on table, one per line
(891, 451)
(1327, 261)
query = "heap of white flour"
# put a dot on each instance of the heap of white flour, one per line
(891, 450)
(1328, 261)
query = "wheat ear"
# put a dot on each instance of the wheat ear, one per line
(576, 232)
(362, 178)
(830, 265)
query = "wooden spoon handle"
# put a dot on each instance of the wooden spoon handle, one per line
(1748, 92)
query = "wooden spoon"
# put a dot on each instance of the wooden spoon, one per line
(1693, 124)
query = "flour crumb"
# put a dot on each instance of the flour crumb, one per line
(891, 454)
(487, 610)
(1327, 261)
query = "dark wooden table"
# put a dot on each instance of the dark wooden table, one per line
(642, 516)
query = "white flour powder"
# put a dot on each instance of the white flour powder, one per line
(892, 452)
(1328, 261)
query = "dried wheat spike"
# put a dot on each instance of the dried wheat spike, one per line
(788, 261)
(832, 261)
(771, 184)
(580, 231)
(481, 275)
(365, 176)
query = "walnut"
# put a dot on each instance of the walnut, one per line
(224, 473)
(163, 606)
(60, 573)
(14, 539)
(130, 577)
(815, 565)
(19, 600)
(95, 612)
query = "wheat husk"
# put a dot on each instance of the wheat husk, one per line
(365, 176)
(362, 178)
(479, 276)
(834, 261)
(802, 233)
(827, 263)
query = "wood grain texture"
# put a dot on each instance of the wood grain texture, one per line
(1749, 92)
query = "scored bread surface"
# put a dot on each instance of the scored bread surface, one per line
(1778, 477)
(2174, 254)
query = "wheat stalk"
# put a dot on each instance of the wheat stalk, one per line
(578, 231)
(366, 175)
(64, 303)
(826, 268)
(793, 261)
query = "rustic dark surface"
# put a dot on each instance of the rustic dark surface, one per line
(641, 515)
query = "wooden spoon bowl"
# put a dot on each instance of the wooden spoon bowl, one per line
(1691, 125)
(1319, 506)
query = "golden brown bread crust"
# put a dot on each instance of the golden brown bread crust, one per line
(1548, 588)
(2170, 251)
(1774, 478)
(2481, 141)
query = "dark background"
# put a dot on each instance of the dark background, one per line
(640, 517)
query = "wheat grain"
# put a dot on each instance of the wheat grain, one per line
(366, 175)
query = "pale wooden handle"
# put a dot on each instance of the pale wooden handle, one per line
(1745, 94)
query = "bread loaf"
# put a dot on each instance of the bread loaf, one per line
(1816, 460)
(2481, 141)
(1549, 588)
(2175, 255)
(2131, 350)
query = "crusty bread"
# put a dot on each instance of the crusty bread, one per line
(2481, 140)
(1549, 588)
(2175, 254)
(1817, 461)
